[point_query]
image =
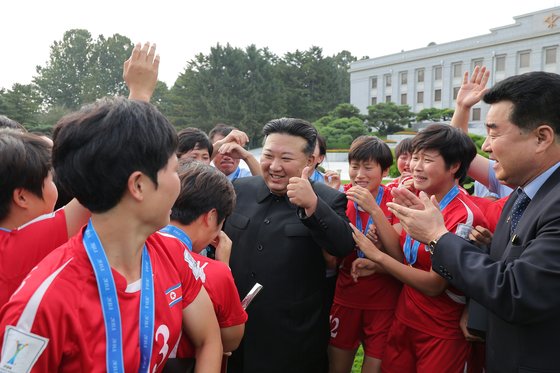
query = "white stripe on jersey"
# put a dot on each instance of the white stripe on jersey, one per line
(470, 215)
(27, 317)
(39, 218)
(461, 299)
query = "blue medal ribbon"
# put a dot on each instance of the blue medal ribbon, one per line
(378, 200)
(5, 229)
(411, 246)
(179, 234)
(110, 304)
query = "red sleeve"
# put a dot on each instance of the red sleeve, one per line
(225, 297)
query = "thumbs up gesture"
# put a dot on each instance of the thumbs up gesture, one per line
(301, 193)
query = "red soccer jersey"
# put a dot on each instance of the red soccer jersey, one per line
(60, 303)
(21, 249)
(218, 282)
(491, 209)
(438, 316)
(375, 292)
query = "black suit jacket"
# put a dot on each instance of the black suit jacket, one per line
(287, 330)
(518, 282)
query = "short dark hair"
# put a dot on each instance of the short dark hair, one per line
(322, 145)
(220, 129)
(293, 127)
(403, 147)
(203, 188)
(453, 145)
(25, 162)
(535, 97)
(370, 148)
(193, 138)
(6, 122)
(97, 149)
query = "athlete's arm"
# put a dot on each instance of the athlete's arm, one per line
(470, 93)
(231, 337)
(140, 72)
(201, 326)
(429, 283)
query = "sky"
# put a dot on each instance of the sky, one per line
(182, 29)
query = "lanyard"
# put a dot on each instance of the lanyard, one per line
(179, 234)
(411, 246)
(5, 229)
(378, 200)
(110, 304)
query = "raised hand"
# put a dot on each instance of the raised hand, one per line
(366, 245)
(140, 71)
(301, 193)
(233, 150)
(362, 197)
(472, 91)
(332, 179)
(425, 224)
(222, 243)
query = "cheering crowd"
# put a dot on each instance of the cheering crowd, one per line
(145, 264)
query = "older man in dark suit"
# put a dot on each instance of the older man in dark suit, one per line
(279, 227)
(519, 280)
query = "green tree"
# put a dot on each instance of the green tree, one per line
(21, 103)
(434, 115)
(230, 85)
(81, 69)
(388, 117)
(61, 81)
(341, 126)
(314, 84)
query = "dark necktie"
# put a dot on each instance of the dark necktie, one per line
(519, 206)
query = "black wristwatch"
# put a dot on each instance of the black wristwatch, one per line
(432, 244)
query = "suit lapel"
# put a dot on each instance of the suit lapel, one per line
(501, 242)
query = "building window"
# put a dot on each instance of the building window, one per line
(455, 92)
(457, 70)
(437, 95)
(550, 56)
(437, 72)
(373, 82)
(524, 59)
(419, 97)
(404, 78)
(403, 98)
(501, 63)
(388, 81)
(388, 98)
(476, 114)
(420, 76)
(374, 100)
(477, 62)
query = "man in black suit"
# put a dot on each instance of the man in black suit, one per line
(279, 227)
(519, 280)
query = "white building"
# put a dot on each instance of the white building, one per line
(431, 76)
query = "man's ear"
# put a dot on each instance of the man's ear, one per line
(545, 136)
(136, 185)
(310, 160)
